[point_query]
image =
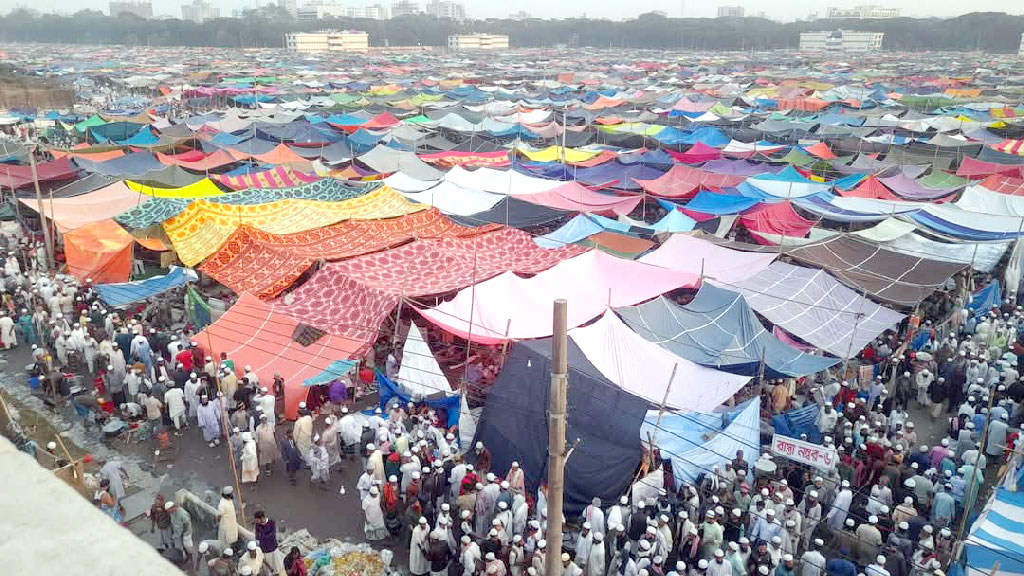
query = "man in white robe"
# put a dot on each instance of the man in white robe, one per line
(595, 516)
(418, 546)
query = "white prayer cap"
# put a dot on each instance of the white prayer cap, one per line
(491, 477)
(813, 493)
(873, 519)
(423, 520)
(51, 446)
(515, 464)
(787, 558)
(493, 532)
(880, 559)
(586, 525)
(624, 500)
(371, 447)
(479, 445)
(850, 522)
(542, 544)
(565, 556)
(645, 545)
(302, 405)
(168, 505)
(776, 540)
(415, 475)
(680, 566)
(719, 553)
(251, 545)
(502, 505)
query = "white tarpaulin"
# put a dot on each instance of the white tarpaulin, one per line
(815, 307)
(689, 254)
(500, 181)
(453, 199)
(979, 199)
(643, 368)
(902, 237)
(419, 373)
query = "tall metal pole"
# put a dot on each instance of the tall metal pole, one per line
(42, 213)
(556, 438)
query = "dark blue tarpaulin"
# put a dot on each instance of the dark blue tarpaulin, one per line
(388, 390)
(605, 419)
(719, 329)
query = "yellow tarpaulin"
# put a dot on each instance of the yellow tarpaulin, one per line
(554, 154)
(205, 225)
(204, 188)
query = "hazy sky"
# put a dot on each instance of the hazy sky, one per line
(615, 9)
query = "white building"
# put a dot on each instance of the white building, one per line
(320, 10)
(372, 12)
(446, 9)
(841, 41)
(731, 12)
(328, 41)
(478, 42)
(199, 11)
(404, 8)
(866, 12)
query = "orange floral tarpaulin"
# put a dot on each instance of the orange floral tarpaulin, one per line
(266, 264)
(205, 225)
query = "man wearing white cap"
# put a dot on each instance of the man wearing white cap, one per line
(418, 546)
(869, 540)
(877, 568)
(840, 507)
(812, 563)
(595, 516)
(302, 430)
(596, 561)
(227, 522)
(516, 479)
(584, 542)
(252, 558)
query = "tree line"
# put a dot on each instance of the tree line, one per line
(991, 32)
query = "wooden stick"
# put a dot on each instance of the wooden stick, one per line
(79, 473)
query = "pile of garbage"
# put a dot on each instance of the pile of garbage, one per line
(337, 558)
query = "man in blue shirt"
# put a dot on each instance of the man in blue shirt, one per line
(840, 567)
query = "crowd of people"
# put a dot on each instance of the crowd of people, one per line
(892, 506)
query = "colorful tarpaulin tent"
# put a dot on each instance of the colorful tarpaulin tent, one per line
(252, 334)
(643, 369)
(993, 545)
(604, 417)
(119, 294)
(265, 264)
(575, 197)
(352, 297)
(684, 181)
(777, 218)
(95, 206)
(697, 443)
(101, 251)
(204, 226)
(816, 308)
(697, 256)
(276, 177)
(420, 373)
(717, 328)
(204, 188)
(890, 276)
(511, 307)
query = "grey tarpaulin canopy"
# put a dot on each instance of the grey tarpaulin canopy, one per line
(719, 329)
(816, 308)
(898, 278)
(514, 424)
(514, 213)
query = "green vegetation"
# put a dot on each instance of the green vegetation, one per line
(988, 31)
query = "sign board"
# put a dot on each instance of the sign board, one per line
(814, 455)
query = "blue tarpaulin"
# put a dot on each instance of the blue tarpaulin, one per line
(797, 422)
(719, 329)
(572, 231)
(388, 390)
(988, 297)
(682, 439)
(127, 292)
(336, 370)
(713, 203)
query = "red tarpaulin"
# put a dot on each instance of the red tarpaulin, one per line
(685, 181)
(276, 177)
(699, 152)
(353, 296)
(870, 187)
(1004, 184)
(266, 264)
(777, 218)
(252, 334)
(20, 176)
(497, 159)
(575, 197)
(975, 169)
